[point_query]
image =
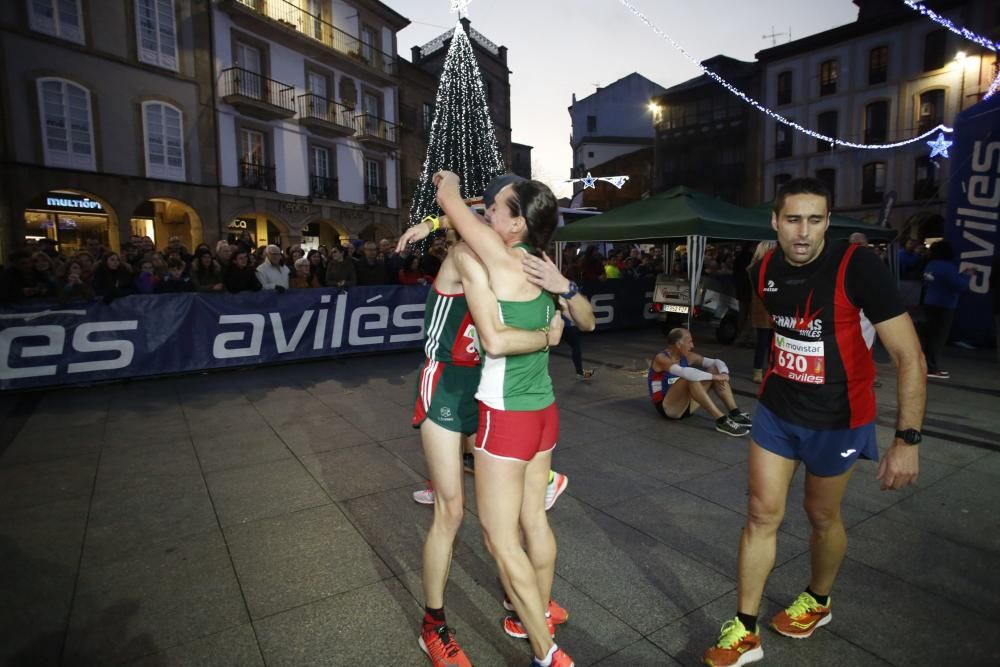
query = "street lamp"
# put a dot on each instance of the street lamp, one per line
(960, 60)
(656, 110)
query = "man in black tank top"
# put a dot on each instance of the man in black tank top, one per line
(827, 300)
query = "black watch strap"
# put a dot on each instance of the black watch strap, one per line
(573, 290)
(910, 436)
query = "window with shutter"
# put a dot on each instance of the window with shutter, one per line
(59, 18)
(157, 34)
(164, 131)
(67, 125)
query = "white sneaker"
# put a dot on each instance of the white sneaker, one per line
(556, 487)
(424, 496)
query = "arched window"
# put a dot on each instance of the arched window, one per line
(163, 130)
(66, 123)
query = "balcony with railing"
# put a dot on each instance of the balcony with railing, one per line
(375, 130)
(323, 187)
(325, 116)
(289, 15)
(256, 95)
(257, 176)
(376, 196)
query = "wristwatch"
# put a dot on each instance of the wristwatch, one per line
(910, 436)
(573, 290)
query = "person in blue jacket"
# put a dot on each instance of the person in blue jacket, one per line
(943, 283)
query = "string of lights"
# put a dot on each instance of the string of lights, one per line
(589, 181)
(962, 32)
(462, 137)
(939, 130)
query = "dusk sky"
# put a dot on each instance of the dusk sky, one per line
(560, 47)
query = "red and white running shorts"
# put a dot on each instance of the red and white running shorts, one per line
(517, 434)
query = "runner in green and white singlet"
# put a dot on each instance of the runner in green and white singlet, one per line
(518, 419)
(520, 382)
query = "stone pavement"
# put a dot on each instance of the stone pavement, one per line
(264, 517)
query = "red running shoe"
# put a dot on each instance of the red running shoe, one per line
(439, 645)
(555, 611)
(512, 626)
(559, 659)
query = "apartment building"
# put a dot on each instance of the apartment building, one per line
(889, 76)
(104, 134)
(307, 114)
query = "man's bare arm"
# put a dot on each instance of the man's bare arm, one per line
(900, 465)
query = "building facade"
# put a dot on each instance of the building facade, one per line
(104, 134)
(520, 159)
(307, 114)
(612, 121)
(891, 75)
(706, 138)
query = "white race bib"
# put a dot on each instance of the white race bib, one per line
(800, 360)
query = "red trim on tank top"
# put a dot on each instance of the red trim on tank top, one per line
(859, 369)
(440, 293)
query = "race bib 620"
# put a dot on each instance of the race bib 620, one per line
(800, 360)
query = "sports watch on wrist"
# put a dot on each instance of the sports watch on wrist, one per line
(910, 436)
(573, 290)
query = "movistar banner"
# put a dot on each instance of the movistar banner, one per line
(973, 214)
(144, 335)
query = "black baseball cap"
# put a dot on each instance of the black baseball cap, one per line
(498, 184)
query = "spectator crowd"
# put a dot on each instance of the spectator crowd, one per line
(42, 271)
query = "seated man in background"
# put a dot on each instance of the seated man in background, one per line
(679, 381)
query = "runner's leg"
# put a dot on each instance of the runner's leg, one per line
(538, 537)
(499, 498)
(769, 477)
(828, 541)
(443, 450)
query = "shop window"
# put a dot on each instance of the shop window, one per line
(59, 18)
(156, 32)
(163, 128)
(67, 125)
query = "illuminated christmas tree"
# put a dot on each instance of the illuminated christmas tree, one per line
(462, 137)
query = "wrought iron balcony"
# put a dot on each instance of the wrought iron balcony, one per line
(257, 95)
(257, 176)
(323, 187)
(376, 196)
(372, 129)
(325, 116)
(290, 15)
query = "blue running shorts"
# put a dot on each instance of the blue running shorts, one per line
(824, 453)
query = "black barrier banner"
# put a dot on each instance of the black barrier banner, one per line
(144, 335)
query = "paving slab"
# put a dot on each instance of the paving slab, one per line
(129, 515)
(888, 617)
(358, 471)
(643, 652)
(637, 578)
(235, 647)
(30, 484)
(396, 527)
(961, 508)
(40, 551)
(702, 530)
(656, 459)
(236, 449)
(687, 639)
(294, 559)
(40, 446)
(338, 631)
(162, 596)
(320, 433)
(241, 495)
(597, 481)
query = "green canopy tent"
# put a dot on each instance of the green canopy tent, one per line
(684, 213)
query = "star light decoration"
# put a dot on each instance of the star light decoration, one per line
(774, 114)
(590, 181)
(940, 146)
(460, 7)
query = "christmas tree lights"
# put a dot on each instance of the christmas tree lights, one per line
(773, 114)
(462, 137)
